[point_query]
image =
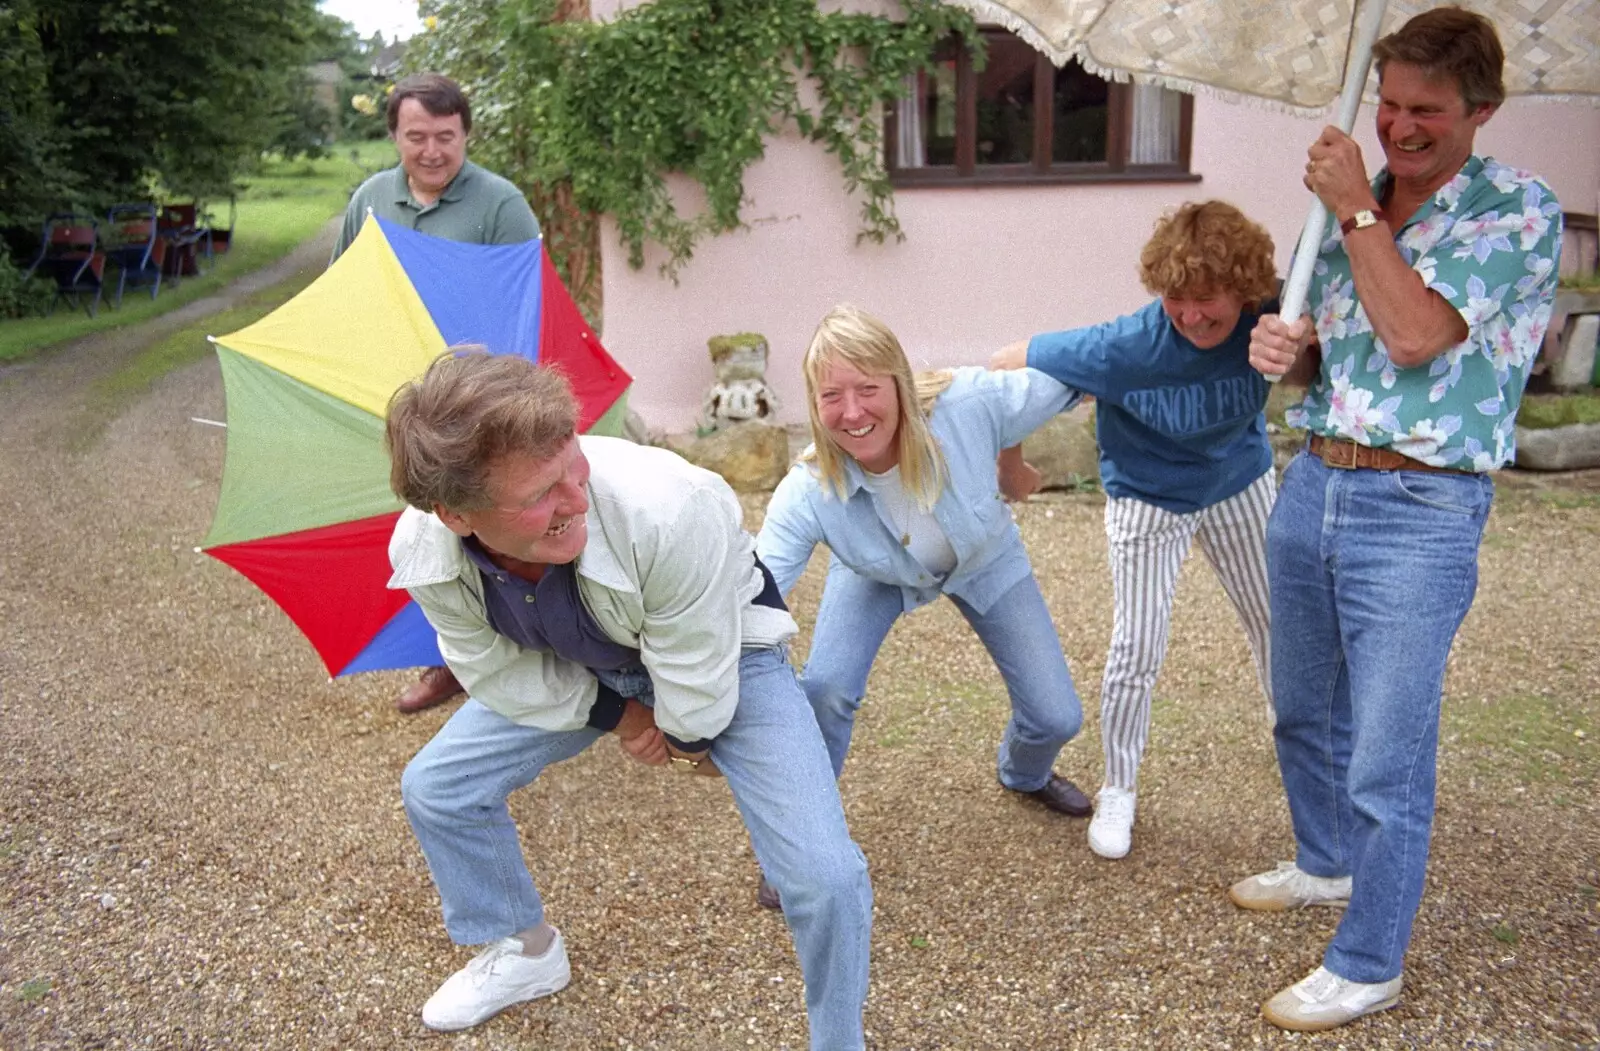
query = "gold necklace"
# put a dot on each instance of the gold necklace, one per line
(903, 527)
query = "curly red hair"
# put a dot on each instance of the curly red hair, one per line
(1209, 246)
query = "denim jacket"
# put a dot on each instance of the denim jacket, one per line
(667, 570)
(979, 414)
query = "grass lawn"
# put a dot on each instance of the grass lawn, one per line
(1557, 410)
(282, 205)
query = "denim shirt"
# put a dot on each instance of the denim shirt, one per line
(979, 414)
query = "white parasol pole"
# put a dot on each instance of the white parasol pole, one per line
(1355, 82)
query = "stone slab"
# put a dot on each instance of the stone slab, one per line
(1569, 448)
(1574, 367)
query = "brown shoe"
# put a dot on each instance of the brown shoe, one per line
(1063, 797)
(767, 895)
(433, 687)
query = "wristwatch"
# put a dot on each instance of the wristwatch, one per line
(1361, 220)
(688, 766)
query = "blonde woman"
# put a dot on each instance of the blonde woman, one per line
(900, 484)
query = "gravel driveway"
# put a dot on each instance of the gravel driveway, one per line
(202, 846)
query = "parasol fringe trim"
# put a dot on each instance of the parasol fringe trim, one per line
(985, 11)
(1190, 87)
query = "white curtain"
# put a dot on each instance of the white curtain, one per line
(1157, 114)
(909, 151)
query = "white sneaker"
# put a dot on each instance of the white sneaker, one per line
(1111, 831)
(1323, 1000)
(497, 977)
(1287, 887)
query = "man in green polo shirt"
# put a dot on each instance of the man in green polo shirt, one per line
(435, 190)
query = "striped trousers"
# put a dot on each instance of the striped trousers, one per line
(1147, 547)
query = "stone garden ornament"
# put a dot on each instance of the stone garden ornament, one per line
(740, 393)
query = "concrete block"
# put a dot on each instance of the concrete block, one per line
(1569, 448)
(1574, 368)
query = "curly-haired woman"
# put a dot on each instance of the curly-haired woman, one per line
(1183, 455)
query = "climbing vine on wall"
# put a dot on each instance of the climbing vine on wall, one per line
(693, 87)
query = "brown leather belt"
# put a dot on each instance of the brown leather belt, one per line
(1346, 455)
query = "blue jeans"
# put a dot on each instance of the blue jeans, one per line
(1371, 573)
(855, 617)
(455, 793)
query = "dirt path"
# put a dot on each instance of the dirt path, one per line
(201, 844)
(61, 376)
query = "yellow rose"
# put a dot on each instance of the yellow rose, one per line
(363, 104)
(432, 22)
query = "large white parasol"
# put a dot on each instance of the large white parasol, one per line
(1301, 55)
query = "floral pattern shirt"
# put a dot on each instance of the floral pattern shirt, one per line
(1488, 241)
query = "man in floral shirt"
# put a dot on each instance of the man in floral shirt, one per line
(1429, 304)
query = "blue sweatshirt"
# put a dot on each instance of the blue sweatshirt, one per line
(1179, 427)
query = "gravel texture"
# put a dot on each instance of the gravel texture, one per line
(202, 846)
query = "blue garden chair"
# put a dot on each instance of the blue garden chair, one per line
(70, 255)
(134, 246)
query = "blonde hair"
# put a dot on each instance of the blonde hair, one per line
(445, 430)
(1209, 245)
(850, 336)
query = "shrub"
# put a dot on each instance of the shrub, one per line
(19, 295)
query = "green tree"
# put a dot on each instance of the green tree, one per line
(306, 126)
(356, 58)
(33, 172)
(183, 93)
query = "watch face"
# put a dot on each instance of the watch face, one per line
(1359, 221)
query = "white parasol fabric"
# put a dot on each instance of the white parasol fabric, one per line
(1299, 55)
(1290, 53)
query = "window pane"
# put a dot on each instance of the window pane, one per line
(926, 118)
(939, 112)
(1005, 101)
(1081, 110)
(909, 150)
(1157, 116)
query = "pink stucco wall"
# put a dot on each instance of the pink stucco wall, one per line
(983, 266)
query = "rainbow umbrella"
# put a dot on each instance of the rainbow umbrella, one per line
(305, 510)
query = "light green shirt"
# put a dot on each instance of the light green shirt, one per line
(478, 207)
